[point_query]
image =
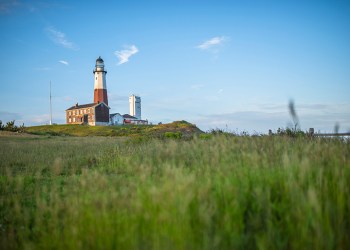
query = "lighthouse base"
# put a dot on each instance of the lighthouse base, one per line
(100, 95)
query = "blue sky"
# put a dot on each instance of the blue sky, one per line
(219, 64)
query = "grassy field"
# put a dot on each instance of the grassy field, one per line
(155, 131)
(224, 192)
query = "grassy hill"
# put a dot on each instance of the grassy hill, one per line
(182, 128)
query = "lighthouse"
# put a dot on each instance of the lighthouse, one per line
(100, 88)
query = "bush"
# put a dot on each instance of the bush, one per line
(21, 129)
(217, 131)
(205, 136)
(173, 135)
(10, 126)
(290, 132)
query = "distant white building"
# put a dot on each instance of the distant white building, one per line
(133, 118)
(135, 106)
(118, 119)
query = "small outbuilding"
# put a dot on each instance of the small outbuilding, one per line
(118, 119)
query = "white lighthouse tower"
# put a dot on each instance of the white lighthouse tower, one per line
(135, 106)
(100, 87)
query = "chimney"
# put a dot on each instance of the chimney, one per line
(76, 105)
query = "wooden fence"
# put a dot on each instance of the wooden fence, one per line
(311, 132)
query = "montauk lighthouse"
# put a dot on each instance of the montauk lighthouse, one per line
(96, 113)
(100, 88)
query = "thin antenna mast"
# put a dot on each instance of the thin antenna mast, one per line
(50, 106)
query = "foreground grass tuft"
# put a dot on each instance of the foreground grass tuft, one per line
(218, 193)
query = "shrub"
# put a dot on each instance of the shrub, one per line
(10, 126)
(205, 136)
(21, 129)
(173, 135)
(216, 131)
(290, 132)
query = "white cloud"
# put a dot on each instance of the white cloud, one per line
(60, 38)
(123, 55)
(215, 41)
(64, 62)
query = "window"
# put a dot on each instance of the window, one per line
(69, 113)
(73, 119)
(84, 111)
(81, 112)
(69, 120)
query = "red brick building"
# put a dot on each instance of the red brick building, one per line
(92, 114)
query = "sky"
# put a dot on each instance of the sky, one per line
(233, 65)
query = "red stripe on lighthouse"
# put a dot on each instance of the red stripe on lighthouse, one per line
(100, 95)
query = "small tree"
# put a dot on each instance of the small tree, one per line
(21, 128)
(1, 126)
(10, 126)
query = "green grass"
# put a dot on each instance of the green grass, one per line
(183, 127)
(217, 192)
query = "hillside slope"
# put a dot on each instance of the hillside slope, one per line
(185, 128)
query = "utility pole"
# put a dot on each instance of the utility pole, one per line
(50, 105)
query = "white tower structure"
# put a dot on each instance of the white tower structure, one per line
(100, 87)
(135, 106)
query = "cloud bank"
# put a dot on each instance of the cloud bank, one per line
(215, 41)
(321, 117)
(60, 38)
(125, 54)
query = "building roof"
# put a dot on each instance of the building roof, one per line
(99, 59)
(76, 106)
(111, 115)
(90, 105)
(129, 116)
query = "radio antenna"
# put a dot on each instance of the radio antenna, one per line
(50, 105)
